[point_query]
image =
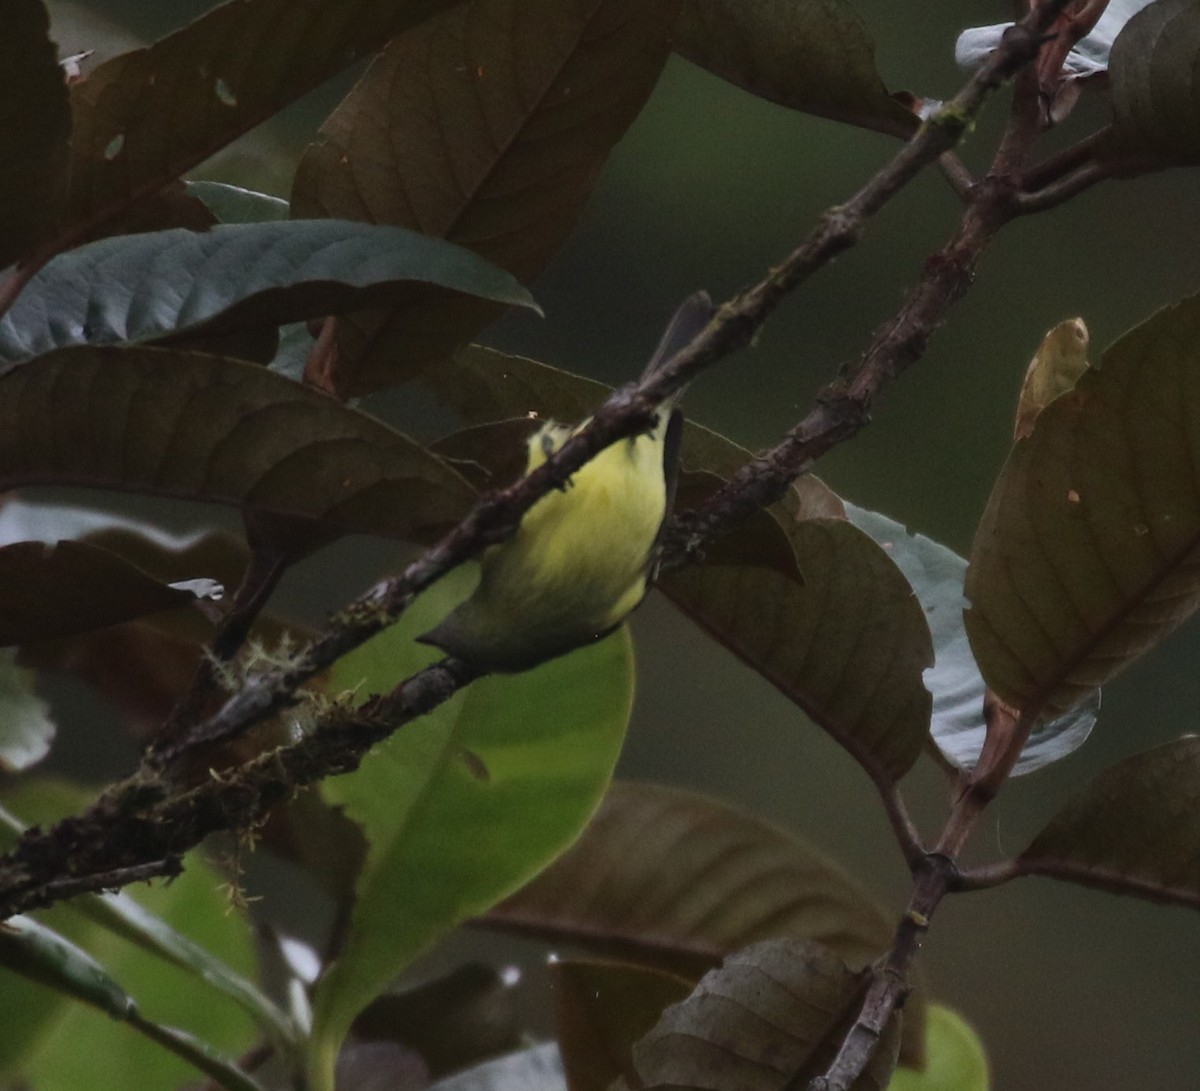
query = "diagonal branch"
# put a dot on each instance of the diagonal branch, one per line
(140, 822)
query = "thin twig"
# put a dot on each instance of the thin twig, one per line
(159, 825)
(956, 172)
(1064, 188)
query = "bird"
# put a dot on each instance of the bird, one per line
(583, 557)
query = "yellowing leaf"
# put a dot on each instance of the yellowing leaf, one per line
(1055, 368)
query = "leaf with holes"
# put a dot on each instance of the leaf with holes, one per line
(174, 423)
(1134, 830)
(812, 55)
(1087, 554)
(772, 1017)
(487, 126)
(232, 278)
(37, 122)
(126, 143)
(677, 881)
(1154, 77)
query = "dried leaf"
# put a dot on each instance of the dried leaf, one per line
(772, 1017)
(1055, 368)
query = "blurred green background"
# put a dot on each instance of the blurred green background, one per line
(1069, 988)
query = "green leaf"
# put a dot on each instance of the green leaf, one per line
(1134, 830)
(127, 143)
(58, 1047)
(1154, 80)
(1086, 556)
(232, 278)
(721, 880)
(36, 124)
(957, 728)
(39, 954)
(200, 427)
(235, 205)
(466, 804)
(601, 1010)
(955, 1060)
(487, 129)
(811, 55)
(772, 1017)
(26, 730)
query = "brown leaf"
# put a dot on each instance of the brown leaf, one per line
(1134, 830)
(772, 1017)
(36, 121)
(1088, 553)
(601, 1010)
(126, 144)
(200, 427)
(487, 126)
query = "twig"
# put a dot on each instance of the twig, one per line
(1064, 188)
(157, 826)
(955, 171)
(889, 986)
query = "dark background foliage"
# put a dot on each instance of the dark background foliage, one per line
(708, 187)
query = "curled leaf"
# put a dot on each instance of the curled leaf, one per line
(1055, 368)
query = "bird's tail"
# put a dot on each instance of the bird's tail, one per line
(693, 314)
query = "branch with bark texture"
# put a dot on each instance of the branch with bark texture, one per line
(141, 824)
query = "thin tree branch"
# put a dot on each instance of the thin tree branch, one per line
(139, 822)
(1064, 188)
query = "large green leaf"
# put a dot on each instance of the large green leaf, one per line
(771, 1018)
(1135, 829)
(957, 726)
(26, 730)
(1086, 556)
(488, 126)
(145, 117)
(1154, 77)
(812, 55)
(231, 278)
(466, 804)
(35, 121)
(201, 427)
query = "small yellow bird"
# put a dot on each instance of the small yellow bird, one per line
(582, 558)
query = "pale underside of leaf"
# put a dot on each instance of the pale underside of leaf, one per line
(957, 725)
(232, 278)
